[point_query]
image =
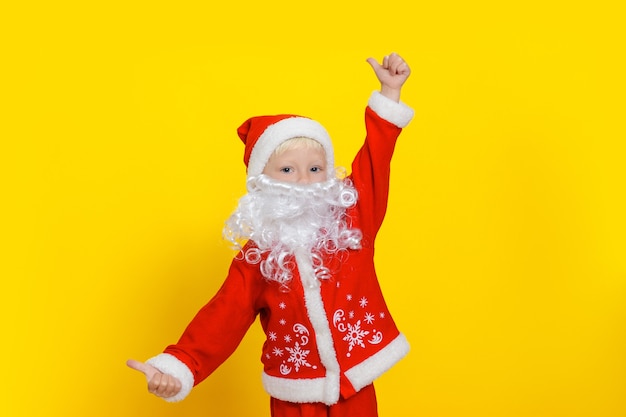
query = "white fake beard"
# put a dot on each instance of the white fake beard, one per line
(281, 218)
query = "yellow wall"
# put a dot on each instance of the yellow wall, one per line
(502, 255)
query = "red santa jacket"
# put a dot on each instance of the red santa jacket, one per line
(324, 338)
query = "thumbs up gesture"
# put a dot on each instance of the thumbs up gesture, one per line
(392, 74)
(160, 384)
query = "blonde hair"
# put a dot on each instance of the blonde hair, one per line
(298, 143)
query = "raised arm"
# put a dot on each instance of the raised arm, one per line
(385, 117)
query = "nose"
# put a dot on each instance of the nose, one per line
(304, 178)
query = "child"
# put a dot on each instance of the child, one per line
(306, 267)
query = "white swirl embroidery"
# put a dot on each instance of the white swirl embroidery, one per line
(338, 319)
(284, 369)
(303, 332)
(376, 338)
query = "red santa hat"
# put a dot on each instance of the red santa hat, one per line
(262, 134)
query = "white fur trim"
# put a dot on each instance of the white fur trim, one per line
(367, 371)
(169, 364)
(397, 113)
(292, 127)
(296, 390)
(321, 326)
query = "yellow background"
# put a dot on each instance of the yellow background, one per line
(502, 256)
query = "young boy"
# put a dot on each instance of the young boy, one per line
(306, 267)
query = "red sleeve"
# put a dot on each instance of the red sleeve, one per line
(371, 170)
(217, 329)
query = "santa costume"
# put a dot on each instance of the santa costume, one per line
(329, 338)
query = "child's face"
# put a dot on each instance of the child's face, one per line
(299, 165)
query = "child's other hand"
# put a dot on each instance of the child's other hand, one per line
(392, 73)
(159, 384)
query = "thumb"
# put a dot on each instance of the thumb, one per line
(374, 64)
(148, 370)
(379, 69)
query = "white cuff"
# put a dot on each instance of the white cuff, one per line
(171, 365)
(397, 113)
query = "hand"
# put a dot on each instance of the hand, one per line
(160, 384)
(392, 74)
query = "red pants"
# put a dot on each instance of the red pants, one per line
(361, 404)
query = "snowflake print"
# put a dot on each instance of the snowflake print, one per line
(282, 305)
(351, 314)
(272, 336)
(369, 318)
(277, 352)
(349, 297)
(282, 322)
(267, 355)
(355, 335)
(298, 357)
(287, 338)
(363, 302)
(382, 315)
